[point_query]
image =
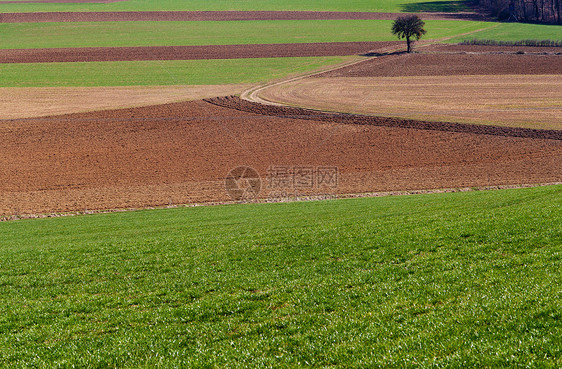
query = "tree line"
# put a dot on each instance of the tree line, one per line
(543, 11)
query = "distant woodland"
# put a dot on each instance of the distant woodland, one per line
(542, 11)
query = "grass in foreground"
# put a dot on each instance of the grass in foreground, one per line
(158, 73)
(465, 279)
(98, 34)
(320, 5)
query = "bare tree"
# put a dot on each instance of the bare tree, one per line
(408, 27)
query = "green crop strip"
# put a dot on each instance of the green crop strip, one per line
(319, 5)
(92, 34)
(154, 73)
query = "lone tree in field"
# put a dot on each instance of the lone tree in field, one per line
(408, 27)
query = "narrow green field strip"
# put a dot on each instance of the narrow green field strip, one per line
(446, 280)
(91, 34)
(516, 32)
(147, 73)
(318, 5)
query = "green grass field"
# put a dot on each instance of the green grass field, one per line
(326, 5)
(92, 34)
(516, 32)
(155, 73)
(446, 280)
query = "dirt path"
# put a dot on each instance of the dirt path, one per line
(190, 52)
(218, 16)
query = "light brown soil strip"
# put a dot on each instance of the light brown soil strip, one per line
(92, 54)
(218, 16)
(28, 102)
(532, 101)
(180, 153)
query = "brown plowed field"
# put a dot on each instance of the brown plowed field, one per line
(91, 54)
(492, 49)
(482, 87)
(180, 153)
(215, 16)
(401, 65)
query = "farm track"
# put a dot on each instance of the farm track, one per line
(92, 54)
(218, 16)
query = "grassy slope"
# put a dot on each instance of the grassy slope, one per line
(332, 5)
(465, 279)
(147, 73)
(86, 34)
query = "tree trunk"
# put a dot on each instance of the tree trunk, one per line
(409, 44)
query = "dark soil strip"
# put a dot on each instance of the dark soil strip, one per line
(459, 64)
(216, 16)
(234, 102)
(92, 54)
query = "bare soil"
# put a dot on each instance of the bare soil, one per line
(533, 101)
(92, 54)
(214, 15)
(29, 102)
(443, 64)
(180, 153)
(456, 48)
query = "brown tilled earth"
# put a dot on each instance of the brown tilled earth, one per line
(494, 49)
(91, 54)
(455, 64)
(181, 153)
(214, 15)
(533, 101)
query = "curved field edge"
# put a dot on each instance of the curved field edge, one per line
(444, 279)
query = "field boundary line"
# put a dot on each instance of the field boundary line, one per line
(304, 198)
